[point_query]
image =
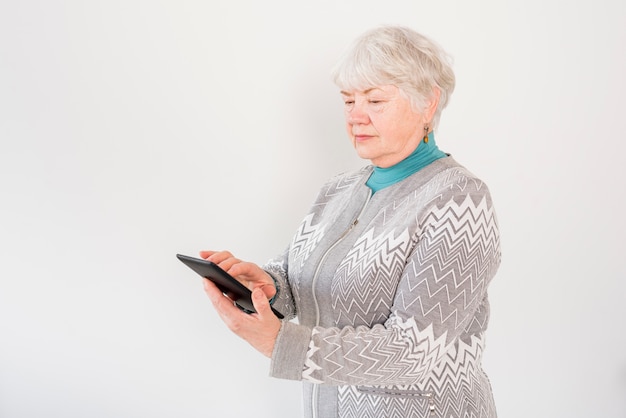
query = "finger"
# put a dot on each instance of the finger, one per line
(221, 303)
(269, 289)
(244, 268)
(219, 256)
(228, 263)
(211, 290)
(260, 302)
(206, 254)
(252, 274)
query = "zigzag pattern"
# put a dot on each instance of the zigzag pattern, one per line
(314, 226)
(401, 333)
(451, 390)
(375, 356)
(458, 251)
(309, 366)
(341, 182)
(353, 403)
(305, 240)
(310, 233)
(375, 263)
(327, 206)
(440, 292)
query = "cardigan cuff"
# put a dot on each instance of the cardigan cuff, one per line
(290, 351)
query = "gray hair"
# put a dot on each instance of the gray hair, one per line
(398, 56)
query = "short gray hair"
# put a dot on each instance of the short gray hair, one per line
(398, 56)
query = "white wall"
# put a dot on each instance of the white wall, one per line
(133, 130)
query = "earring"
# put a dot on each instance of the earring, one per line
(426, 134)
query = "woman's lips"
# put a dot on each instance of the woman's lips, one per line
(361, 137)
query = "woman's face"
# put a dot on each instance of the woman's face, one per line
(382, 125)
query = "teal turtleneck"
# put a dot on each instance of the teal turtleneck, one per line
(425, 153)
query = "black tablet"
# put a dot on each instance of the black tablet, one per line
(241, 295)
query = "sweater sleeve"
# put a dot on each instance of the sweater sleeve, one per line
(283, 300)
(442, 288)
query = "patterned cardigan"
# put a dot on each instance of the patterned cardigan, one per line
(390, 295)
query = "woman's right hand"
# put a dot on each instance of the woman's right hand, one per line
(249, 274)
(261, 328)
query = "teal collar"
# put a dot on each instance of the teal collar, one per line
(425, 153)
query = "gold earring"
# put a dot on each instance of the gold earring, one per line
(426, 134)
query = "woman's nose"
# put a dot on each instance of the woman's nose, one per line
(357, 115)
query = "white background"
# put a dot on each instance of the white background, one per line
(134, 130)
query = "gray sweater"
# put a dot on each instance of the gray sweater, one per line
(390, 295)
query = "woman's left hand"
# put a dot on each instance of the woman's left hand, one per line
(260, 329)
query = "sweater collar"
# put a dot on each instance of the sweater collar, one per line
(425, 153)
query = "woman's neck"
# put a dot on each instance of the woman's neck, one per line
(425, 153)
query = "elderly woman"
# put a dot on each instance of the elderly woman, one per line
(388, 272)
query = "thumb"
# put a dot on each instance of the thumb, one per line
(260, 302)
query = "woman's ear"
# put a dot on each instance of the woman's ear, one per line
(431, 105)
